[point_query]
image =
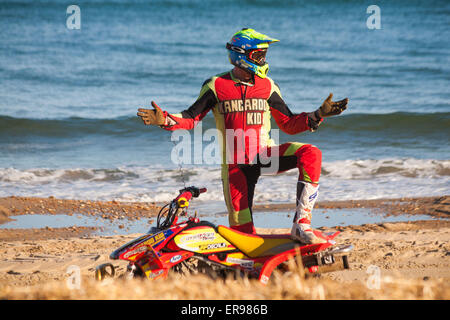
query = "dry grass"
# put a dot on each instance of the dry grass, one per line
(199, 287)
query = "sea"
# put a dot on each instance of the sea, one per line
(73, 73)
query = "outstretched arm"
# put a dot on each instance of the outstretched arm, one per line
(295, 123)
(287, 121)
(187, 119)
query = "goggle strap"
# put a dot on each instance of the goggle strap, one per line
(236, 49)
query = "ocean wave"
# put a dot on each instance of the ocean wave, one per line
(400, 122)
(63, 128)
(344, 169)
(348, 179)
(365, 169)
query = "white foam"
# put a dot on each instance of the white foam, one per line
(408, 167)
(346, 179)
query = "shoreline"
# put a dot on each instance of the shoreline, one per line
(112, 210)
(436, 207)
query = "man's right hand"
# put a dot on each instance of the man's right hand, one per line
(154, 117)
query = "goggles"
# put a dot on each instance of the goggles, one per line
(257, 56)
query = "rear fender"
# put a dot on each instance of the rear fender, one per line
(273, 262)
(326, 235)
(313, 248)
(276, 260)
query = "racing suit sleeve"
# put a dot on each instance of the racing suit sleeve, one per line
(287, 121)
(189, 118)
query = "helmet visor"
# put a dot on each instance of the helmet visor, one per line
(258, 56)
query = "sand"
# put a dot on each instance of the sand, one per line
(412, 259)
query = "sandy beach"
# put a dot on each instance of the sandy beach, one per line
(412, 257)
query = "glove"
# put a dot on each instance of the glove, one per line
(155, 117)
(330, 108)
(313, 122)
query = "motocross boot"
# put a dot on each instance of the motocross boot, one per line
(306, 198)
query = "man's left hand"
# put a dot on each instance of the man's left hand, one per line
(330, 108)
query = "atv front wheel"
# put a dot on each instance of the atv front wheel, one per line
(101, 272)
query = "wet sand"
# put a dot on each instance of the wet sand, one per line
(433, 206)
(413, 258)
(105, 209)
(108, 210)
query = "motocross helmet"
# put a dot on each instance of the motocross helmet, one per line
(247, 50)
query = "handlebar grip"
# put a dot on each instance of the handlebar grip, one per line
(190, 192)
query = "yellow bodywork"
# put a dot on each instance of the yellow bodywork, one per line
(256, 246)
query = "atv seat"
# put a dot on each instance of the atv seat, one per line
(254, 245)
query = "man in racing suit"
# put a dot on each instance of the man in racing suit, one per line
(243, 101)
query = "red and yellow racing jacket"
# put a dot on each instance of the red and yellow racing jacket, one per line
(242, 112)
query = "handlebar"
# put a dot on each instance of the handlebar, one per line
(195, 192)
(168, 215)
(186, 194)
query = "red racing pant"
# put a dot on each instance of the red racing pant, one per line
(239, 180)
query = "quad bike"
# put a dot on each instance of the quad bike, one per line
(195, 246)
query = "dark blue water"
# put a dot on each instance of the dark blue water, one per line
(68, 98)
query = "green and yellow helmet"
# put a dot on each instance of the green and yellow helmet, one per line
(247, 50)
